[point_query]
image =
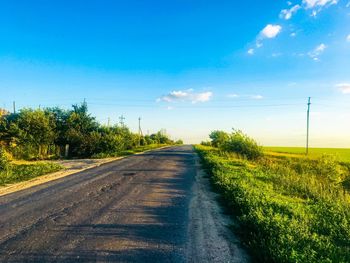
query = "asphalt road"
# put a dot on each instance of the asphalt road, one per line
(137, 209)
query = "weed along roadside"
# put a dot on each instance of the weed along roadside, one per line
(288, 209)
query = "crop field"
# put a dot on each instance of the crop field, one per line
(342, 154)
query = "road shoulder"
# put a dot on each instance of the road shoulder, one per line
(210, 239)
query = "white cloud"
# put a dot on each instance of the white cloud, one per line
(259, 44)
(256, 97)
(251, 51)
(319, 3)
(186, 95)
(293, 34)
(314, 54)
(288, 13)
(271, 31)
(344, 87)
(276, 54)
(246, 96)
(289, 3)
(348, 38)
(202, 97)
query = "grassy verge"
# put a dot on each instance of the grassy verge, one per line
(129, 152)
(22, 172)
(289, 209)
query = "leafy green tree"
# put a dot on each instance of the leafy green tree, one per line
(218, 138)
(32, 130)
(79, 126)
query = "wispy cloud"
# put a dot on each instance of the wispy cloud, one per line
(253, 97)
(288, 13)
(348, 38)
(344, 88)
(250, 51)
(319, 3)
(256, 97)
(314, 54)
(186, 95)
(270, 31)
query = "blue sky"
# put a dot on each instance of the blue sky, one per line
(187, 66)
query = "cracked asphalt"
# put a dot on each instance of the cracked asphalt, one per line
(144, 208)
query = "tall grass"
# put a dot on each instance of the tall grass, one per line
(11, 173)
(290, 210)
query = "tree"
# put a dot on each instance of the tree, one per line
(79, 126)
(218, 138)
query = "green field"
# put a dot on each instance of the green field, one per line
(343, 154)
(288, 209)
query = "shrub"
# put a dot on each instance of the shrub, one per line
(240, 143)
(218, 138)
(4, 160)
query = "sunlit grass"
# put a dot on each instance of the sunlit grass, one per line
(288, 209)
(343, 154)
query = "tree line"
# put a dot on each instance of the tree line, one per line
(54, 132)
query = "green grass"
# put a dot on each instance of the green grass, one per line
(22, 172)
(342, 153)
(129, 152)
(288, 209)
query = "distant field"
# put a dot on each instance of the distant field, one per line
(342, 153)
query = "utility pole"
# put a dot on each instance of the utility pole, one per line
(14, 107)
(121, 120)
(140, 131)
(307, 125)
(108, 122)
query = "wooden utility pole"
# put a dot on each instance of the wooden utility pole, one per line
(307, 125)
(14, 107)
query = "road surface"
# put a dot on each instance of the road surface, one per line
(153, 207)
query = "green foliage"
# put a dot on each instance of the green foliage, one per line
(17, 173)
(206, 143)
(218, 138)
(179, 142)
(236, 142)
(289, 209)
(4, 160)
(42, 134)
(240, 143)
